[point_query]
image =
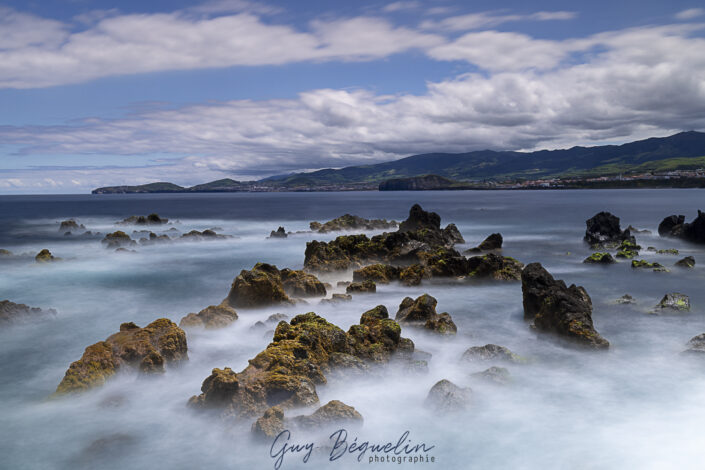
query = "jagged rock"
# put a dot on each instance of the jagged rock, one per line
(628, 250)
(497, 375)
(264, 285)
(696, 345)
(412, 275)
(351, 222)
(626, 299)
(70, 225)
(146, 349)
(212, 317)
(687, 262)
(553, 307)
(151, 219)
(599, 258)
(419, 235)
(336, 298)
(493, 266)
(285, 374)
(218, 388)
(154, 238)
(335, 412)
(603, 230)
(422, 313)
(366, 287)
(379, 273)
(446, 397)
(118, 239)
(642, 264)
(491, 352)
(11, 312)
(279, 233)
(674, 302)
(676, 226)
(45, 256)
(491, 243)
(207, 234)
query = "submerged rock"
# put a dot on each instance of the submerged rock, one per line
(628, 249)
(497, 375)
(626, 299)
(676, 226)
(147, 349)
(154, 238)
(491, 243)
(302, 351)
(422, 313)
(642, 264)
(603, 230)
(151, 219)
(365, 287)
(4, 252)
(279, 233)
(11, 312)
(633, 229)
(212, 317)
(491, 352)
(555, 308)
(687, 262)
(696, 345)
(207, 234)
(446, 397)
(336, 298)
(118, 239)
(265, 284)
(45, 256)
(599, 258)
(674, 302)
(352, 222)
(70, 225)
(335, 412)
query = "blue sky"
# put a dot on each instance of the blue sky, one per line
(99, 93)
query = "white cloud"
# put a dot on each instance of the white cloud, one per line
(690, 13)
(399, 6)
(490, 19)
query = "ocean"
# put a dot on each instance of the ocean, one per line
(639, 405)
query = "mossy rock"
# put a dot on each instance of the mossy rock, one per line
(599, 258)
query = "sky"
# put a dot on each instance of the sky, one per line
(99, 93)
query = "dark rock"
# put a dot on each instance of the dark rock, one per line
(674, 302)
(696, 345)
(420, 219)
(204, 235)
(366, 287)
(642, 264)
(626, 299)
(11, 312)
(212, 317)
(422, 313)
(675, 226)
(599, 258)
(118, 239)
(687, 262)
(446, 397)
(603, 230)
(553, 307)
(279, 233)
(628, 249)
(151, 219)
(491, 243)
(146, 349)
(379, 273)
(352, 222)
(491, 352)
(45, 256)
(276, 318)
(264, 285)
(70, 225)
(496, 267)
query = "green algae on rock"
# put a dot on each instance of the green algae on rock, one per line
(599, 258)
(265, 285)
(211, 317)
(45, 256)
(422, 313)
(147, 349)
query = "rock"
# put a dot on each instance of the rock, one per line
(343, 283)
(491, 243)
(675, 226)
(154, 238)
(336, 298)
(628, 249)
(212, 317)
(285, 374)
(687, 262)
(351, 222)
(4, 252)
(626, 299)
(146, 349)
(45, 256)
(603, 230)
(446, 397)
(555, 308)
(379, 273)
(279, 233)
(265, 284)
(674, 302)
(491, 352)
(218, 388)
(642, 264)
(335, 412)
(11, 312)
(366, 287)
(151, 219)
(207, 234)
(496, 267)
(667, 251)
(497, 375)
(276, 318)
(696, 345)
(415, 241)
(70, 225)
(599, 258)
(270, 424)
(118, 239)
(633, 229)
(412, 275)
(422, 313)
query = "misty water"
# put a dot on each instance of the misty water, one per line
(639, 405)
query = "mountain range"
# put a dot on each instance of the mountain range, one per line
(682, 151)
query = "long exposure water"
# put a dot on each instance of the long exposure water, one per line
(639, 405)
